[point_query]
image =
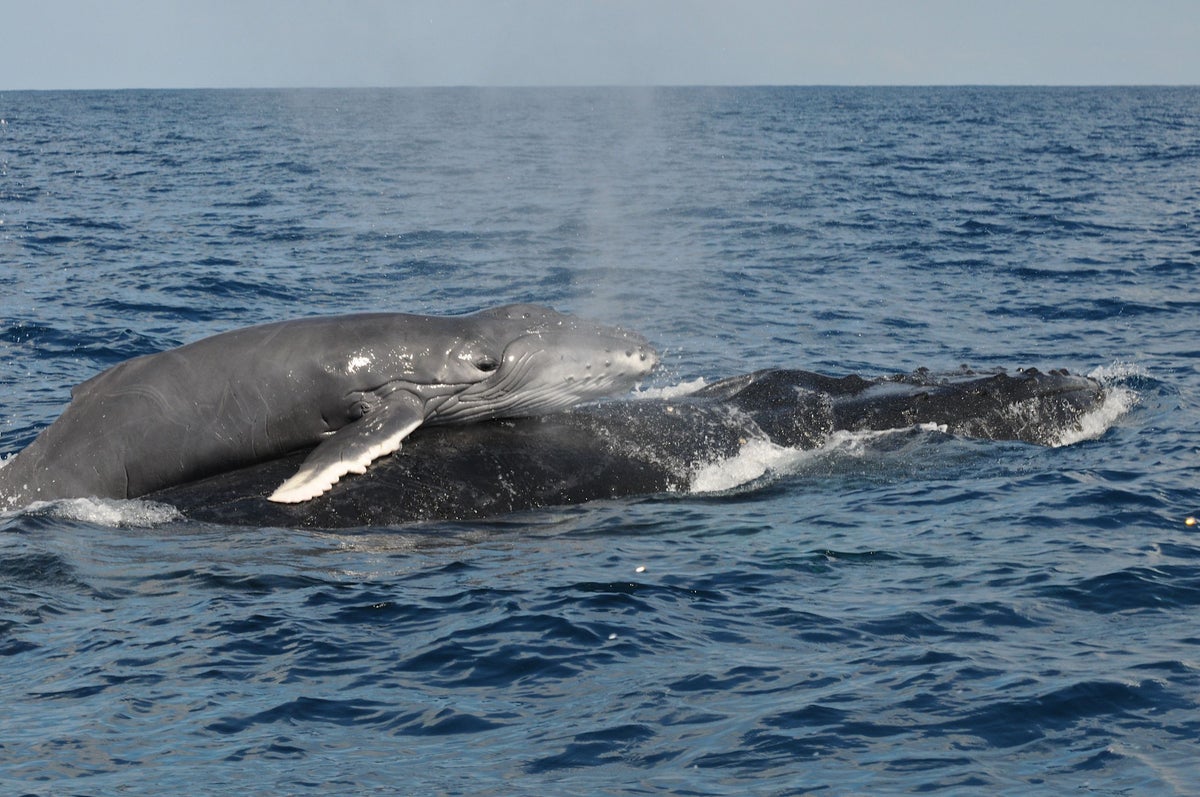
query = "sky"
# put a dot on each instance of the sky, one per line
(84, 44)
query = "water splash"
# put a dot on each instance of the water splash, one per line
(760, 458)
(756, 459)
(1119, 399)
(110, 512)
(670, 391)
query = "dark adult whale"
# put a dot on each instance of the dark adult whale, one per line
(635, 447)
(349, 388)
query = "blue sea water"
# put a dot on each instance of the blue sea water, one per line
(925, 615)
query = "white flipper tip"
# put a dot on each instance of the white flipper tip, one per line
(310, 481)
(304, 487)
(330, 461)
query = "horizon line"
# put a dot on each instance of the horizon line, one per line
(634, 86)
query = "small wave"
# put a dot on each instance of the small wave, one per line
(39, 568)
(259, 199)
(1140, 588)
(973, 227)
(88, 223)
(47, 240)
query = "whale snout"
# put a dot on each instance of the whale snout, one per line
(576, 339)
(554, 367)
(634, 356)
(627, 348)
(603, 362)
(550, 361)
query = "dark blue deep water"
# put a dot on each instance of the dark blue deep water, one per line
(930, 615)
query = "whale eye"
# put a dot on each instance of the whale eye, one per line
(487, 364)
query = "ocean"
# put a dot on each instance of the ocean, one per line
(923, 614)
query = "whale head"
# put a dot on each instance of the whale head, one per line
(544, 361)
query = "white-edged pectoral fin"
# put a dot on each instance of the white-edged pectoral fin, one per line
(353, 447)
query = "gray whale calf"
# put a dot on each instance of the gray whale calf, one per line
(349, 389)
(641, 446)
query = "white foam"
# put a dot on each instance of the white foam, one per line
(1118, 400)
(111, 512)
(755, 459)
(760, 457)
(670, 391)
(1118, 371)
